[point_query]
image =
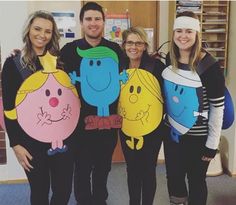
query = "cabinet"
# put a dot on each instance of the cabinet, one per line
(214, 19)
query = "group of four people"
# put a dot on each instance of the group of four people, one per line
(172, 93)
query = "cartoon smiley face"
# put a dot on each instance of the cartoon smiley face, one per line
(93, 68)
(183, 92)
(140, 103)
(99, 73)
(179, 106)
(101, 80)
(48, 107)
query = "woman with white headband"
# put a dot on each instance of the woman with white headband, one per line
(194, 97)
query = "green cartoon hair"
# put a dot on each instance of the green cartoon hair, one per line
(98, 52)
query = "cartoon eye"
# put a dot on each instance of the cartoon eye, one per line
(131, 89)
(176, 87)
(91, 62)
(98, 63)
(138, 89)
(59, 92)
(181, 91)
(47, 92)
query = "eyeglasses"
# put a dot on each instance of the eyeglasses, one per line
(137, 43)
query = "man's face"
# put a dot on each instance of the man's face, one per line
(92, 24)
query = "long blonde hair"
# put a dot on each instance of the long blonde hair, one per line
(195, 54)
(28, 54)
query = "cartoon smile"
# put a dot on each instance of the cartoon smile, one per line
(45, 118)
(140, 115)
(101, 89)
(56, 120)
(180, 113)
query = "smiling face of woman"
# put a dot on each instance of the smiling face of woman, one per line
(134, 47)
(40, 34)
(185, 38)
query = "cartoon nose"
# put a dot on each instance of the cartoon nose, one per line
(175, 99)
(133, 98)
(53, 102)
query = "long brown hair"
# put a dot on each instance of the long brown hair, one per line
(28, 54)
(195, 54)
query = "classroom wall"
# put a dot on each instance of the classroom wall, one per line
(59, 6)
(163, 30)
(10, 37)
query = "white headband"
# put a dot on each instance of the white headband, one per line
(182, 77)
(187, 22)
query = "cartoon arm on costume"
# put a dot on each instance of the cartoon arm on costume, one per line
(142, 116)
(66, 112)
(121, 110)
(44, 118)
(74, 77)
(124, 76)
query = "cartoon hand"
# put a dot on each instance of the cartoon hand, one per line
(44, 118)
(122, 111)
(140, 115)
(124, 76)
(66, 113)
(74, 77)
(174, 135)
(146, 115)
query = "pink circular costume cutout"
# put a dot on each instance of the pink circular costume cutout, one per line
(48, 107)
(49, 114)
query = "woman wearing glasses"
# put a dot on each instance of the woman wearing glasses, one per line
(141, 106)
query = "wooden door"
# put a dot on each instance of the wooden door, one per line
(118, 154)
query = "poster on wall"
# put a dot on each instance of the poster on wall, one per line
(66, 23)
(115, 24)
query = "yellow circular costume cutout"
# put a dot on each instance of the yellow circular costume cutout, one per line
(140, 105)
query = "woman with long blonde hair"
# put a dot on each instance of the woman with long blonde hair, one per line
(47, 163)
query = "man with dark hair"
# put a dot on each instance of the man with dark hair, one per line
(91, 6)
(88, 61)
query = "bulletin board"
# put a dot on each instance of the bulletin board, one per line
(66, 23)
(115, 24)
